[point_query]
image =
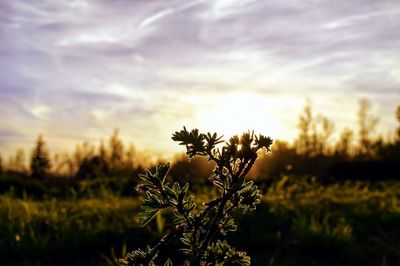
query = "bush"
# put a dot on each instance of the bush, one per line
(199, 228)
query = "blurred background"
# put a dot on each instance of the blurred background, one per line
(92, 91)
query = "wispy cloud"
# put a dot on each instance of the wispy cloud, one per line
(155, 17)
(88, 66)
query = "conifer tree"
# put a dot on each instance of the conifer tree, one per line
(40, 162)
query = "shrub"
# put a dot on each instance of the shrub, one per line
(200, 228)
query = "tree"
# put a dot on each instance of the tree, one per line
(17, 162)
(40, 162)
(367, 123)
(93, 167)
(398, 120)
(103, 150)
(200, 228)
(1, 165)
(389, 150)
(62, 165)
(82, 153)
(343, 147)
(303, 143)
(130, 156)
(315, 133)
(324, 137)
(116, 151)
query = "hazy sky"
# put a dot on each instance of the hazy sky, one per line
(75, 70)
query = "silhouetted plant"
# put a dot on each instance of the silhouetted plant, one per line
(367, 124)
(91, 168)
(304, 143)
(200, 228)
(398, 121)
(16, 163)
(1, 165)
(116, 147)
(40, 162)
(344, 146)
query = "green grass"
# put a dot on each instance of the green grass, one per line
(298, 223)
(301, 223)
(58, 231)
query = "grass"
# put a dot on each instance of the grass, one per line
(298, 223)
(48, 230)
(305, 223)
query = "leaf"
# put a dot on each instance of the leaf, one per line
(148, 249)
(169, 192)
(177, 188)
(168, 262)
(162, 171)
(247, 186)
(229, 225)
(152, 197)
(219, 184)
(187, 239)
(185, 189)
(148, 176)
(263, 142)
(146, 217)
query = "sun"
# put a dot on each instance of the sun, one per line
(239, 112)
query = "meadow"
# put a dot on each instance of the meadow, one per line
(95, 168)
(323, 203)
(299, 222)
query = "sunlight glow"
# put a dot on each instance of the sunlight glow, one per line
(239, 112)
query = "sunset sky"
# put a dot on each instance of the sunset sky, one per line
(75, 70)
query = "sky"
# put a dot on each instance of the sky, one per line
(75, 70)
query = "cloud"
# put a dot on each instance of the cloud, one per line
(153, 18)
(138, 65)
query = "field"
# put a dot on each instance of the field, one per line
(299, 222)
(199, 133)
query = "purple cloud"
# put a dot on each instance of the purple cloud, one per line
(90, 65)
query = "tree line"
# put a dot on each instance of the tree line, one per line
(87, 161)
(313, 152)
(358, 152)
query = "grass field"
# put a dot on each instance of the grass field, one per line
(298, 223)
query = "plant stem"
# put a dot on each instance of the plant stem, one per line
(163, 241)
(212, 229)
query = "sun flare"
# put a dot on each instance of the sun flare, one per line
(237, 113)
